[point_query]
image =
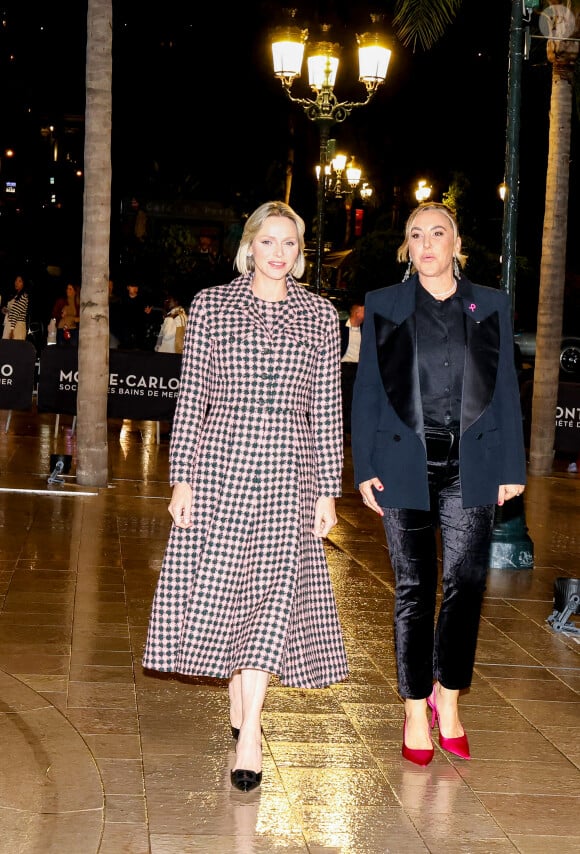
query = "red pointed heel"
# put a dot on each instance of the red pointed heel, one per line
(418, 757)
(458, 746)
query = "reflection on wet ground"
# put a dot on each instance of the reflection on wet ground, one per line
(98, 756)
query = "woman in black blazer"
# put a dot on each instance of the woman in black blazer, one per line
(437, 441)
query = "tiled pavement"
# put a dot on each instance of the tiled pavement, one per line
(99, 757)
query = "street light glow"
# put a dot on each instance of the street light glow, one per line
(423, 192)
(288, 51)
(353, 173)
(373, 56)
(366, 191)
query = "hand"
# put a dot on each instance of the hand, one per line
(508, 491)
(324, 516)
(368, 496)
(180, 505)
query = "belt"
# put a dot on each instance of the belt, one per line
(442, 445)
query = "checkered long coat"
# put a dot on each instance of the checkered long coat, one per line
(257, 433)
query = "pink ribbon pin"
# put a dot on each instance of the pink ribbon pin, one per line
(472, 307)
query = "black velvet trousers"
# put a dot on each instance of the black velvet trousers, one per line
(444, 651)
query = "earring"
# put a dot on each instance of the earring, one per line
(250, 263)
(408, 270)
(456, 268)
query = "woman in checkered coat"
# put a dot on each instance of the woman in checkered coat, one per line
(255, 464)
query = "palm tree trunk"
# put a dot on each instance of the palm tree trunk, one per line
(562, 55)
(93, 365)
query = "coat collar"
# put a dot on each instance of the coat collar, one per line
(396, 351)
(301, 305)
(405, 299)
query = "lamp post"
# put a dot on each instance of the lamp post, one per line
(341, 178)
(353, 176)
(325, 109)
(511, 545)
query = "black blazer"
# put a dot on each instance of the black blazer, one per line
(387, 433)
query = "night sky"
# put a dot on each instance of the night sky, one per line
(196, 104)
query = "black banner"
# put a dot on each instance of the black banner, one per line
(143, 385)
(17, 360)
(568, 418)
(567, 435)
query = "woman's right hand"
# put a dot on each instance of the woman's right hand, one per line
(180, 505)
(368, 496)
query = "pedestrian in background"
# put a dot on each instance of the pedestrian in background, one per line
(132, 313)
(172, 333)
(437, 441)
(67, 314)
(350, 338)
(16, 311)
(255, 463)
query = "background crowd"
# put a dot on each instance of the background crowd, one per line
(46, 310)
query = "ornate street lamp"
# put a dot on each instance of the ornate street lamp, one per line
(341, 179)
(323, 59)
(338, 163)
(353, 174)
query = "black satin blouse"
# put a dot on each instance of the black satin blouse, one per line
(441, 357)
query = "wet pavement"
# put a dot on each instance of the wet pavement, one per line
(98, 756)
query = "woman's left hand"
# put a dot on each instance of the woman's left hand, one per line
(367, 488)
(509, 490)
(324, 516)
(180, 505)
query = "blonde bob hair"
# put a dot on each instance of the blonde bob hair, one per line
(244, 260)
(403, 250)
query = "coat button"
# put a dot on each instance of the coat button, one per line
(396, 438)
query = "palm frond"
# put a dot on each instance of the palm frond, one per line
(423, 22)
